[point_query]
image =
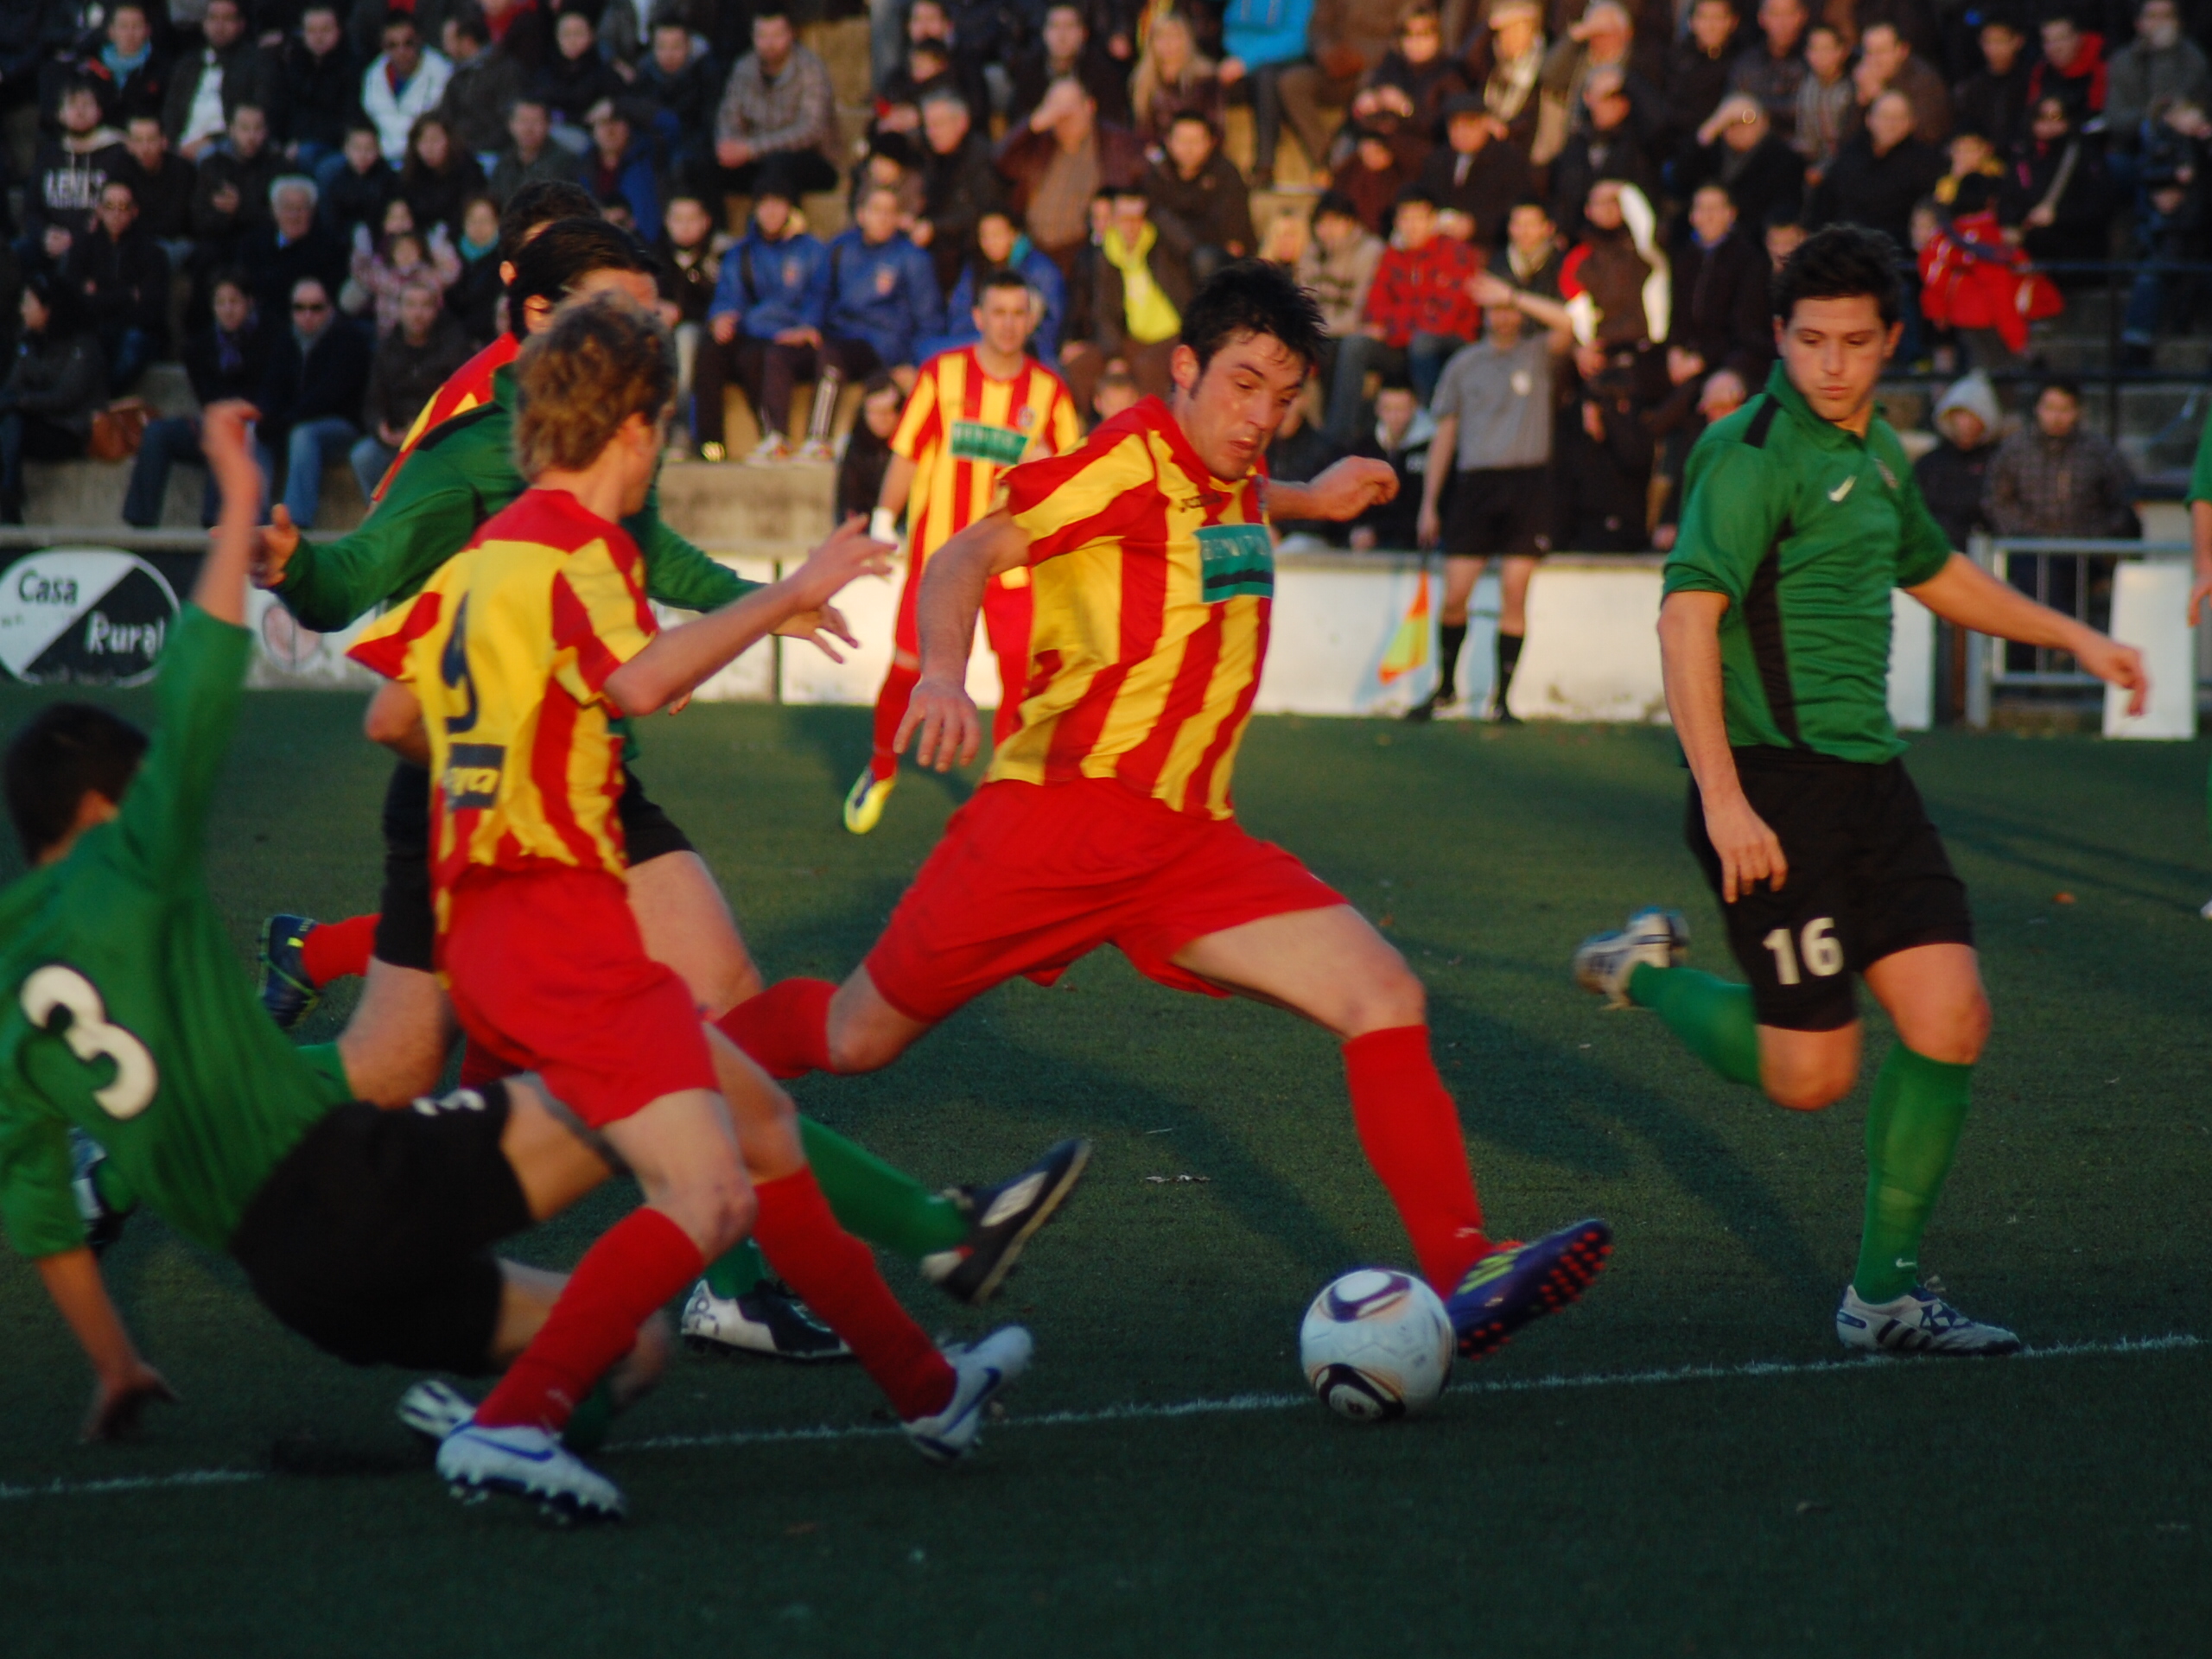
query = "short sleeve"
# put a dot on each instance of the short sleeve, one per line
(1063, 502)
(600, 620)
(1731, 508)
(1922, 548)
(383, 646)
(2200, 475)
(919, 424)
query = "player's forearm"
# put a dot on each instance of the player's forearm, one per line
(2200, 536)
(1443, 449)
(220, 589)
(73, 1281)
(951, 593)
(1689, 656)
(1967, 595)
(898, 482)
(678, 659)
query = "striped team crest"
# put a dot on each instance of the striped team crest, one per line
(976, 441)
(1236, 559)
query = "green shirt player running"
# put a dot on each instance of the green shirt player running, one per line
(1800, 516)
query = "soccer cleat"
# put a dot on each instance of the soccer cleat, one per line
(287, 993)
(1425, 710)
(526, 1463)
(432, 1410)
(1517, 1283)
(771, 451)
(1918, 1322)
(103, 1225)
(1002, 1220)
(865, 800)
(1604, 962)
(981, 1371)
(767, 1320)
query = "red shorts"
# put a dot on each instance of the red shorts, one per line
(548, 973)
(1030, 877)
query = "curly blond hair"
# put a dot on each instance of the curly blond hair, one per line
(604, 359)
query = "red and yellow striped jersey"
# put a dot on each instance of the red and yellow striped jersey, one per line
(468, 387)
(508, 647)
(1153, 584)
(962, 429)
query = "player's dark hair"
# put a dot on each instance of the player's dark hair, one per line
(1008, 278)
(55, 756)
(1252, 297)
(1844, 262)
(603, 360)
(541, 203)
(563, 254)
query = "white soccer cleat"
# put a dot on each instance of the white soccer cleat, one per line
(434, 1409)
(1604, 962)
(766, 1320)
(983, 1371)
(1918, 1322)
(530, 1464)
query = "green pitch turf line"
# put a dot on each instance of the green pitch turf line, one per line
(1227, 1405)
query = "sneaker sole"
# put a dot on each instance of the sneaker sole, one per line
(561, 1508)
(1010, 1258)
(1562, 1287)
(1881, 1351)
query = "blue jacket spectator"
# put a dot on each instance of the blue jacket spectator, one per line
(878, 287)
(1259, 39)
(771, 284)
(1004, 249)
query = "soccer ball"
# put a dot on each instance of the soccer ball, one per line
(1376, 1344)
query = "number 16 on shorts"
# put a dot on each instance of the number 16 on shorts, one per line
(1816, 951)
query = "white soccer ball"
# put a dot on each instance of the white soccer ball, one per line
(1376, 1344)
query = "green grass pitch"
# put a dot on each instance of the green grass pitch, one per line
(2055, 1505)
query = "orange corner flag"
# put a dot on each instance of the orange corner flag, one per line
(1409, 646)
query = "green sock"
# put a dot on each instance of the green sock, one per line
(877, 1203)
(588, 1423)
(1913, 1130)
(1713, 1016)
(736, 1271)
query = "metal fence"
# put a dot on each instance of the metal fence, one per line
(2074, 577)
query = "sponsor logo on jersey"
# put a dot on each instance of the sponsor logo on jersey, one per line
(88, 616)
(1025, 417)
(1236, 559)
(472, 776)
(973, 440)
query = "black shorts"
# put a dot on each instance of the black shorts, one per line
(1868, 877)
(372, 1238)
(406, 930)
(1498, 510)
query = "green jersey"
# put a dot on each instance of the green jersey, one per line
(2200, 475)
(1805, 528)
(127, 1013)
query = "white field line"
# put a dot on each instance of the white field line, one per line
(1229, 1405)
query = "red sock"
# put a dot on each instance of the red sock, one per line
(333, 950)
(640, 1262)
(1410, 1130)
(890, 708)
(835, 1275)
(786, 1028)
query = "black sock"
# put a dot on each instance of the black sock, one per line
(1508, 658)
(1450, 636)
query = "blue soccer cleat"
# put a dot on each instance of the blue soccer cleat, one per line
(1517, 1283)
(287, 993)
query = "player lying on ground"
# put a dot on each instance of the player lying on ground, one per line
(1106, 817)
(509, 670)
(395, 1043)
(976, 410)
(1801, 516)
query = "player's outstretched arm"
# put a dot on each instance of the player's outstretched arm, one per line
(220, 590)
(1964, 593)
(1342, 491)
(674, 663)
(939, 713)
(122, 1382)
(1689, 653)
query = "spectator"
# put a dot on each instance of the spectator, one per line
(1056, 160)
(310, 398)
(1953, 475)
(1976, 178)
(2160, 65)
(1346, 39)
(867, 448)
(411, 363)
(1080, 363)
(319, 88)
(2051, 478)
(928, 69)
(364, 185)
(619, 164)
(891, 163)
(2073, 71)
(574, 80)
(1534, 258)
(1373, 174)
(1115, 392)
(2169, 224)
(2059, 196)
(1879, 175)
(1419, 312)
(1611, 449)
(1888, 64)
(1065, 50)
(778, 103)
(1994, 101)
(56, 385)
(132, 74)
(959, 185)
(1172, 79)
(677, 83)
(764, 322)
(382, 271)
(227, 358)
(1403, 431)
(934, 58)
(879, 297)
(1617, 282)
(1405, 95)
(1143, 291)
(1783, 234)
(403, 84)
(519, 29)
(1772, 69)
(1750, 159)
(1515, 51)
(532, 155)
(1698, 70)
(1609, 147)
(1299, 453)
(1605, 40)
(999, 245)
(1477, 174)
(1339, 266)
(207, 86)
(1720, 319)
(162, 184)
(481, 92)
(120, 278)
(1198, 200)
(68, 174)
(1828, 101)
(233, 193)
(438, 176)
(473, 300)
(626, 26)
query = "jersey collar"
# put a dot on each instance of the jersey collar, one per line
(1827, 433)
(1155, 416)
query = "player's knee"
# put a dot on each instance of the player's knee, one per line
(1391, 997)
(1810, 1085)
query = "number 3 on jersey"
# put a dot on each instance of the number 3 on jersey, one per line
(90, 1036)
(1822, 952)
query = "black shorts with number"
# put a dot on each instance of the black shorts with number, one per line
(1498, 510)
(406, 930)
(1867, 878)
(372, 1238)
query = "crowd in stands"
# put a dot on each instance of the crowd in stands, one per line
(301, 200)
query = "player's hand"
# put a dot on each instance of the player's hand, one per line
(817, 628)
(280, 539)
(848, 553)
(943, 720)
(2120, 665)
(1350, 487)
(118, 1400)
(225, 438)
(1749, 852)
